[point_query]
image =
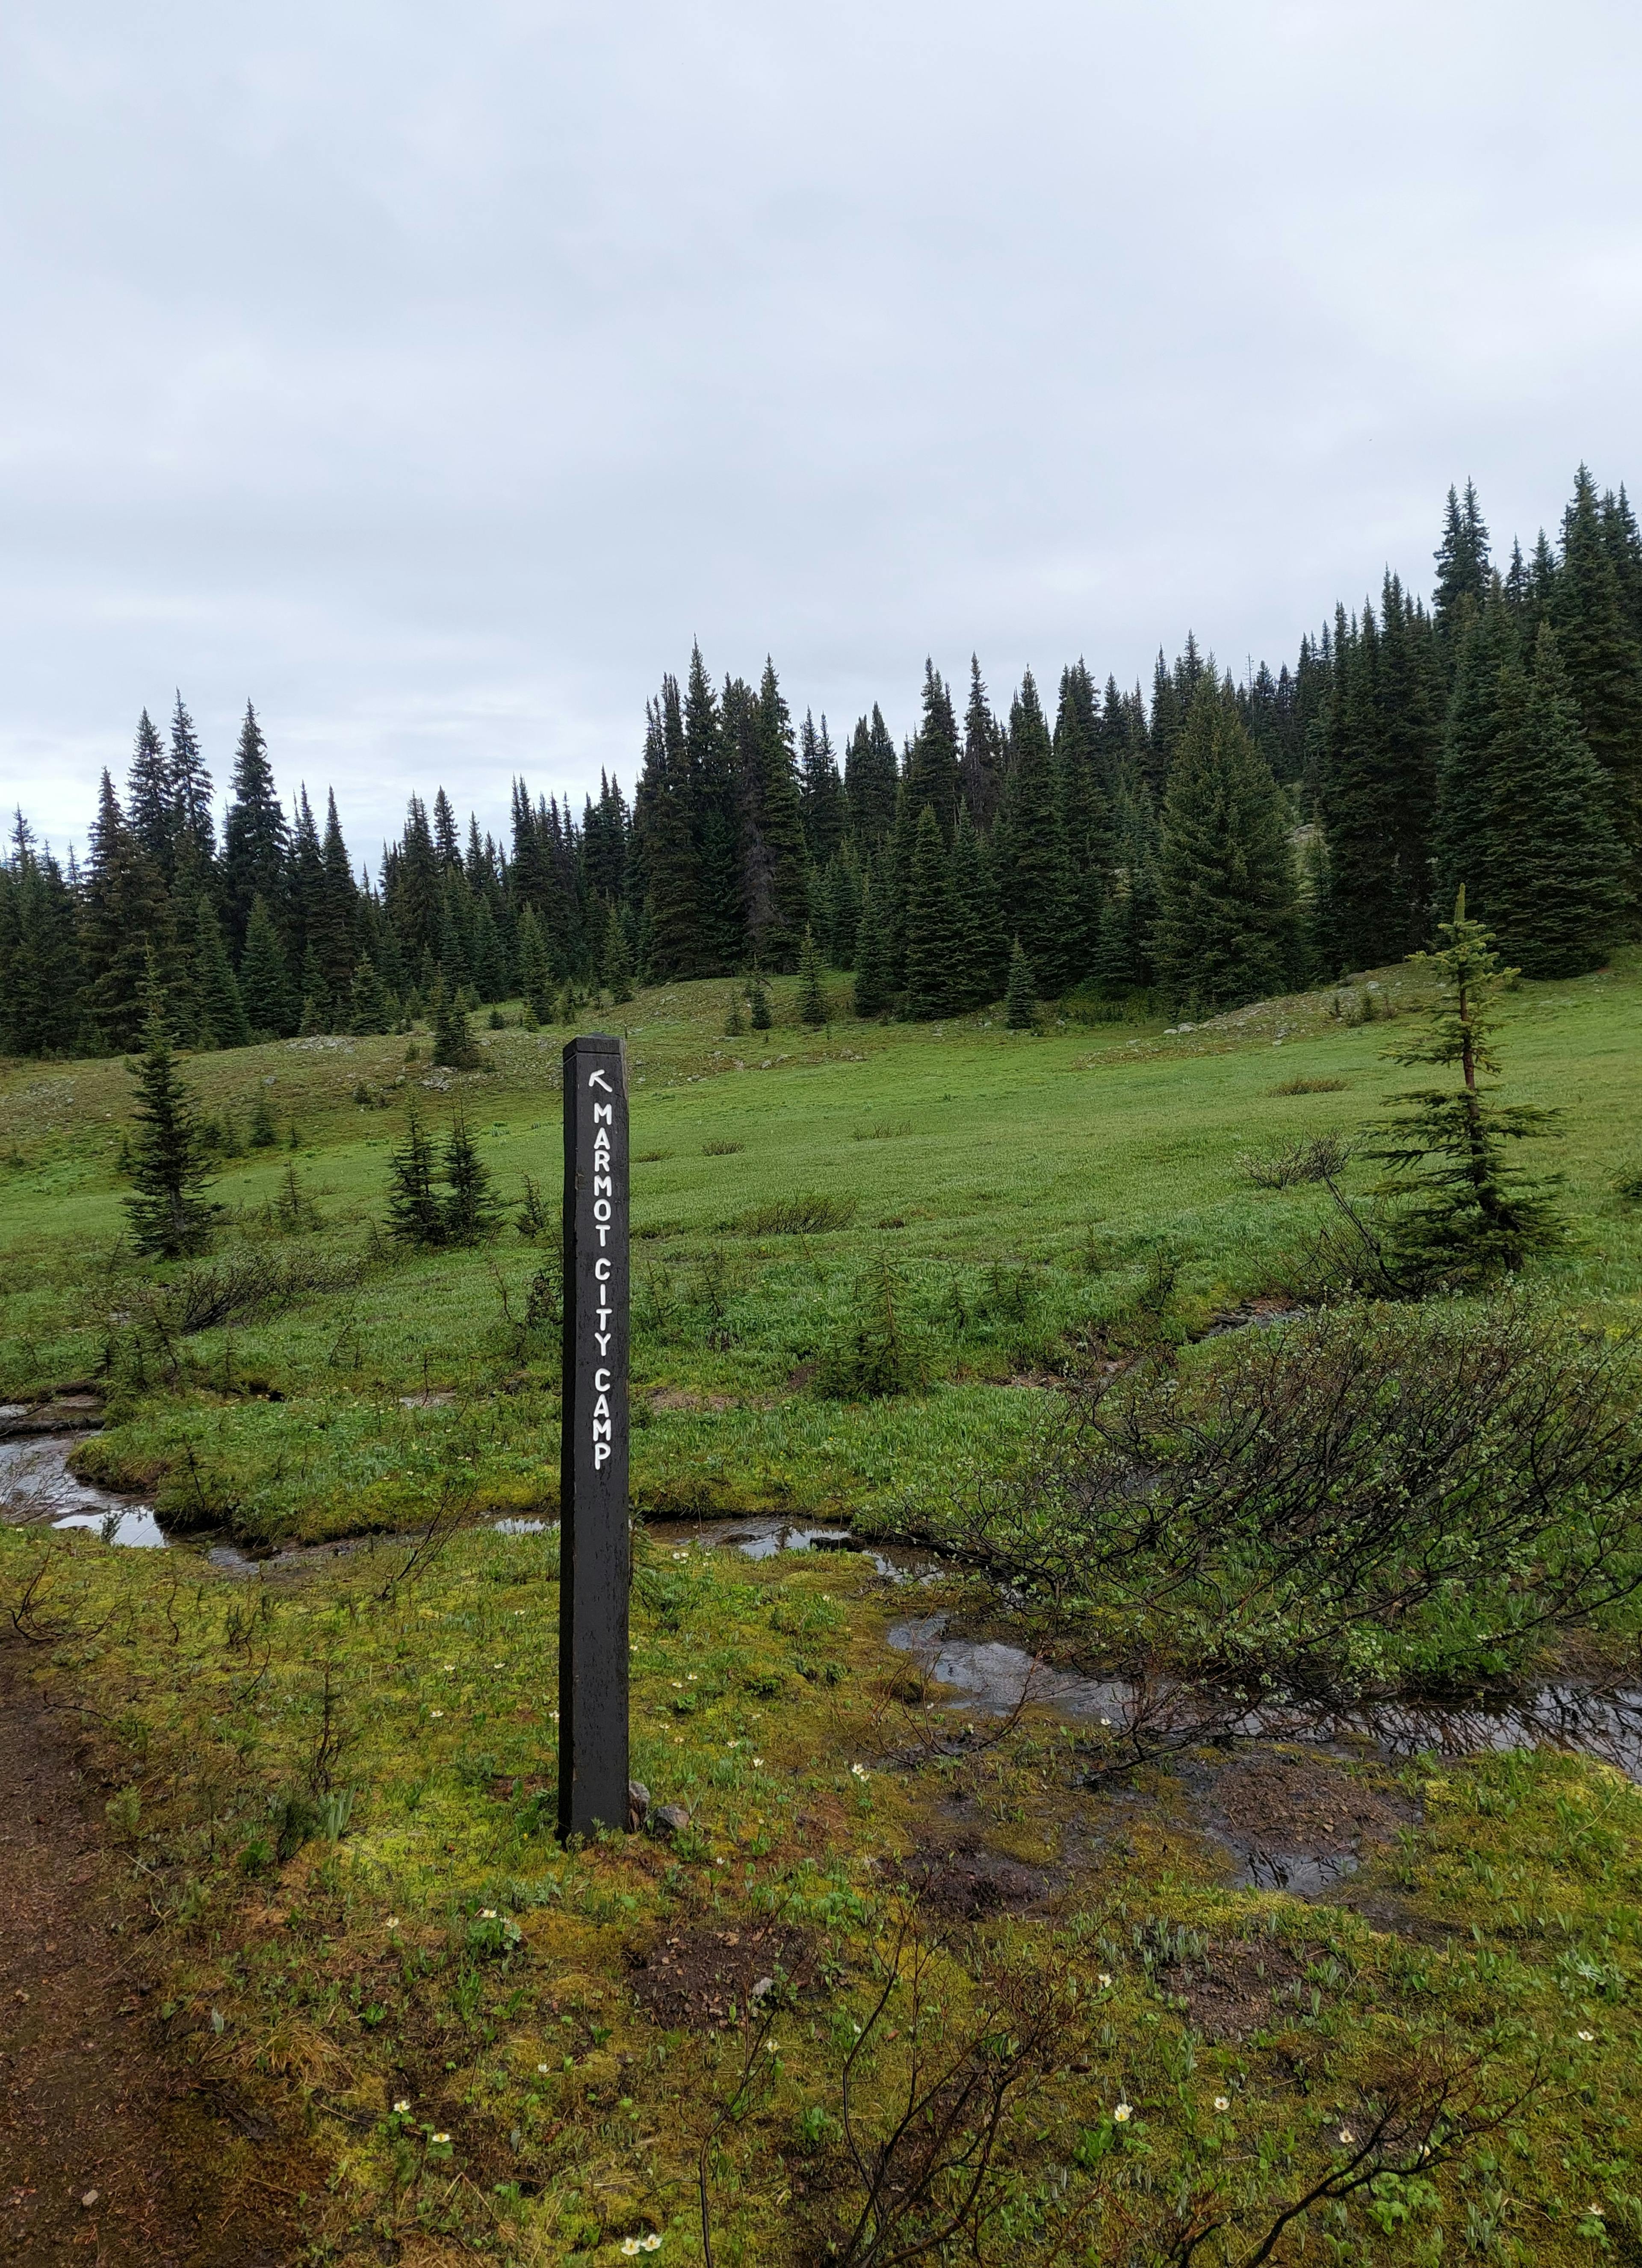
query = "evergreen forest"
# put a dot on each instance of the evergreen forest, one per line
(1194, 847)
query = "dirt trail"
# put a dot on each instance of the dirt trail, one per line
(108, 2155)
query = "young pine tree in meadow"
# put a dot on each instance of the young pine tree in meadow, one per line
(1555, 866)
(264, 980)
(169, 1211)
(933, 926)
(470, 1209)
(758, 1013)
(1458, 1212)
(812, 994)
(414, 1213)
(872, 990)
(1228, 917)
(1021, 994)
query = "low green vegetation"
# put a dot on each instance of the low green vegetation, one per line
(888, 1981)
(859, 1251)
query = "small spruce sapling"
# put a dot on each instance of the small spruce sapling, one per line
(169, 1211)
(470, 1211)
(1458, 1211)
(758, 996)
(415, 1215)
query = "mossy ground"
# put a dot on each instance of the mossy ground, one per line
(441, 1951)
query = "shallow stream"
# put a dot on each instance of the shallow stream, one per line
(986, 1677)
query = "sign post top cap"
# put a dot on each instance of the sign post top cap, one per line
(598, 1043)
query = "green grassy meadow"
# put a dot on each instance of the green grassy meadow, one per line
(1016, 1192)
(329, 1784)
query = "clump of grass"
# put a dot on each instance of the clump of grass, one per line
(1289, 1165)
(1312, 1086)
(884, 1133)
(808, 1215)
(721, 1149)
(655, 1157)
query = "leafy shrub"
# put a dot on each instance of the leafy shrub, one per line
(1372, 1502)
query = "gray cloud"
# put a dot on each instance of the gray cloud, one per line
(435, 375)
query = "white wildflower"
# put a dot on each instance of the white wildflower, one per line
(1123, 2114)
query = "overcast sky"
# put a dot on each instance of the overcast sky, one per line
(433, 375)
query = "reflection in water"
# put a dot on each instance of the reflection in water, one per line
(762, 1538)
(37, 1490)
(992, 1677)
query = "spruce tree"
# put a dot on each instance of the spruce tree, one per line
(812, 994)
(150, 812)
(820, 794)
(758, 1014)
(1379, 782)
(1463, 566)
(42, 1005)
(193, 830)
(1602, 656)
(932, 761)
(774, 887)
(980, 766)
(535, 974)
(1035, 869)
(872, 990)
(224, 1021)
(1227, 920)
(870, 780)
(934, 973)
(1488, 649)
(842, 887)
(452, 1039)
(264, 1134)
(712, 755)
(369, 1008)
(983, 951)
(617, 957)
(169, 1208)
(1554, 864)
(124, 917)
(1457, 1212)
(264, 980)
(414, 1214)
(255, 839)
(470, 1209)
(1021, 1001)
(666, 824)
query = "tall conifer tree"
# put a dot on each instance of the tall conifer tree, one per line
(1227, 922)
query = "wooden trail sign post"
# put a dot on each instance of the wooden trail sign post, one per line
(594, 1552)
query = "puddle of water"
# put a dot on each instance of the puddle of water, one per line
(37, 1490)
(757, 1538)
(991, 1677)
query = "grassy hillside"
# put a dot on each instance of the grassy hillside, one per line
(1006, 1193)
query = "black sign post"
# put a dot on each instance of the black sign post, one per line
(594, 1544)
